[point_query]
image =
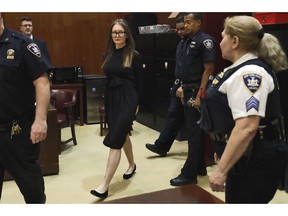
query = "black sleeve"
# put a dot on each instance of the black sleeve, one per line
(46, 53)
(138, 72)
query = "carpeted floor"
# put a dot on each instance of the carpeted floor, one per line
(82, 168)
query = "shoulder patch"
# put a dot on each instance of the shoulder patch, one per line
(34, 49)
(252, 81)
(208, 43)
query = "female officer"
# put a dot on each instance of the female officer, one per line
(241, 110)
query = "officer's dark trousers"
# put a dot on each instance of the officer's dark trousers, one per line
(173, 124)
(20, 158)
(257, 180)
(196, 146)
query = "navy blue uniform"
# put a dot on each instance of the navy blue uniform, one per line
(21, 63)
(256, 175)
(175, 116)
(199, 49)
(43, 47)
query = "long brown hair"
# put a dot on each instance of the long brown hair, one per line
(129, 47)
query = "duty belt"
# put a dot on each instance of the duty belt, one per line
(263, 132)
(188, 86)
(219, 137)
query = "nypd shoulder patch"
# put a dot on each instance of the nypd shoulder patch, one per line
(252, 82)
(208, 43)
(34, 49)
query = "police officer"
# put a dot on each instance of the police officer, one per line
(196, 65)
(23, 81)
(241, 110)
(175, 117)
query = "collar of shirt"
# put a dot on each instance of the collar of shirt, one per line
(244, 58)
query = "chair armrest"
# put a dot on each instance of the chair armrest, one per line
(69, 104)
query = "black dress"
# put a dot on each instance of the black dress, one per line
(122, 95)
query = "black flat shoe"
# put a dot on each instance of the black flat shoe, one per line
(128, 176)
(100, 195)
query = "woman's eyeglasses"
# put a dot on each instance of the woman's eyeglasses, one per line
(115, 34)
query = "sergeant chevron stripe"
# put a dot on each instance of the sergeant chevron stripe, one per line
(252, 103)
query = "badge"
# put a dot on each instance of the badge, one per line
(10, 54)
(220, 75)
(208, 43)
(215, 81)
(192, 44)
(34, 49)
(217, 78)
(252, 82)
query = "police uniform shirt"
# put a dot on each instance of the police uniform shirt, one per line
(199, 49)
(21, 63)
(180, 50)
(247, 89)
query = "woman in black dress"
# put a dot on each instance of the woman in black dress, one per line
(123, 70)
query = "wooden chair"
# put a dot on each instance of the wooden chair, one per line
(103, 121)
(64, 100)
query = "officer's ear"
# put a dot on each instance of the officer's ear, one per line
(235, 42)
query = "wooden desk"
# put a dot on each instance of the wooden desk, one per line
(79, 88)
(49, 149)
(184, 194)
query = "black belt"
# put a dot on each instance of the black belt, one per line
(219, 137)
(262, 133)
(190, 86)
(267, 134)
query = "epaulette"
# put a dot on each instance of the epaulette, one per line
(20, 36)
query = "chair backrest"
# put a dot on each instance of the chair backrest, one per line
(63, 98)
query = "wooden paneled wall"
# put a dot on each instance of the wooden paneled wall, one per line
(73, 39)
(80, 38)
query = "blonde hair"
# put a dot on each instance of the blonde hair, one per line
(253, 39)
(129, 47)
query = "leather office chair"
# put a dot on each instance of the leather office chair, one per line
(64, 100)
